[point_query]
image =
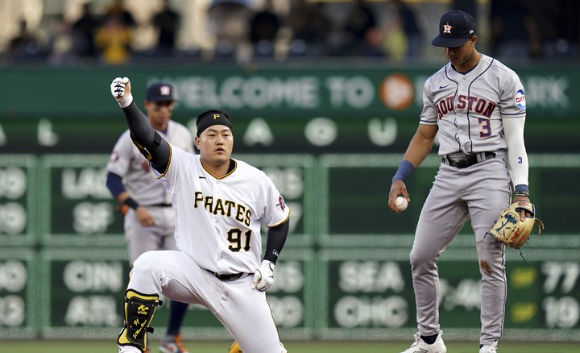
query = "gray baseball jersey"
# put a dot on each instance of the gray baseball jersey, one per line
(127, 162)
(468, 110)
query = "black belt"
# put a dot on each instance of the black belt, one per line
(228, 277)
(468, 160)
(160, 205)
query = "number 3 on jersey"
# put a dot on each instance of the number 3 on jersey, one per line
(485, 127)
(235, 239)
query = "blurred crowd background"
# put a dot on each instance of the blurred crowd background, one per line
(120, 32)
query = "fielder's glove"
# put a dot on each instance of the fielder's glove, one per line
(121, 91)
(513, 231)
(264, 276)
(123, 209)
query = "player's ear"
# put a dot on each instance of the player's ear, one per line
(473, 40)
(197, 142)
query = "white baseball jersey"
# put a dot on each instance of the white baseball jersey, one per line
(127, 162)
(218, 219)
(468, 108)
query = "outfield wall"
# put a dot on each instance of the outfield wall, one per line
(372, 109)
(330, 139)
(344, 273)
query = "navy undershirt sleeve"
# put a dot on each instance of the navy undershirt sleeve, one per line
(115, 184)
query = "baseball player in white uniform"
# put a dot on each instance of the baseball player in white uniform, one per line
(149, 219)
(477, 106)
(220, 204)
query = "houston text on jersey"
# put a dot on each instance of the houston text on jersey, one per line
(470, 103)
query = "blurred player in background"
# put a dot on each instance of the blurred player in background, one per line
(149, 217)
(477, 105)
(220, 205)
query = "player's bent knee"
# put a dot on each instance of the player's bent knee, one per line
(139, 311)
(415, 259)
(146, 262)
(422, 261)
(147, 258)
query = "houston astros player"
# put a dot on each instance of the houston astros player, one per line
(476, 105)
(149, 219)
(220, 204)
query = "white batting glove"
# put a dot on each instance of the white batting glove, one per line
(121, 91)
(264, 276)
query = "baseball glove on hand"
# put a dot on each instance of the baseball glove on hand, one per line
(123, 209)
(513, 231)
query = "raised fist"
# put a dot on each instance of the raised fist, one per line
(121, 91)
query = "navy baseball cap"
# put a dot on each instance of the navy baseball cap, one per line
(159, 92)
(455, 28)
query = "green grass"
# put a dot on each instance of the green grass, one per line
(46, 346)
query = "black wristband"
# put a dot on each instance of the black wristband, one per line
(272, 256)
(131, 203)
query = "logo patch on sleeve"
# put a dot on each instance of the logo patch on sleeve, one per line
(521, 99)
(281, 203)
